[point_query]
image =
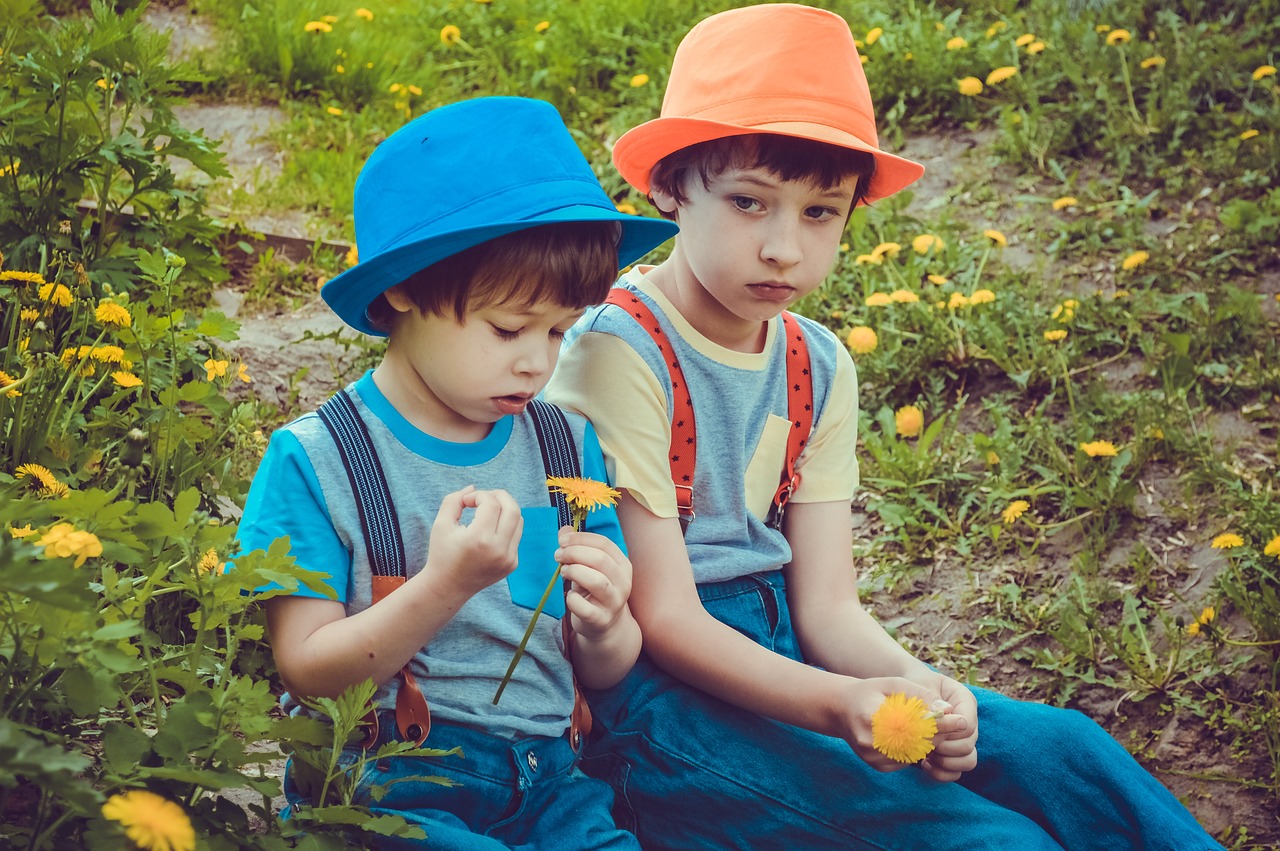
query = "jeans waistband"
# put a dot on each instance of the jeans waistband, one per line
(771, 579)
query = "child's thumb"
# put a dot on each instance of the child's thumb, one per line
(452, 506)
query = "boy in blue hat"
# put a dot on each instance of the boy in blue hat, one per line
(421, 490)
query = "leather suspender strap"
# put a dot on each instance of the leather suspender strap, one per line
(560, 459)
(799, 411)
(383, 542)
(684, 440)
(683, 430)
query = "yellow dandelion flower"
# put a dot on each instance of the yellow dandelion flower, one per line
(46, 483)
(1101, 28)
(886, 249)
(333, 110)
(209, 562)
(29, 314)
(969, 86)
(1247, 135)
(862, 340)
(126, 380)
(413, 90)
(937, 279)
(395, 87)
(996, 237)
(956, 43)
(1135, 260)
(1025, 39)
(6, 382)
(908, 421)
(1099, 449)
(318, 27)
(352, 256)
(364, 13)
(903, 297)
(868, 259)
(1207, 614)
(1227, 541)
(982, 297)
(65, 541)
(542, 26)
(957, 300)
(1193, 628)
(151, 822)
(939, 26)
(1273, 547)
(879, 300)
(329, 19)
(26, 277)
(449, 35)
(1152, 62)
(242, 373)
(20, 532)
(341, 70)
(999, 75)
(583, 495)
(1035, 47)
(1014, 510)
(992, 457)
(627, 208)
(902, 729)
(996, 28)
(1056, 335)
(1064, 202)
(56, 294)
(110, 313)
(107, 354)
(215, 368)
(926, 242)
(1264, 71)
(1118, 37)
(873, 35)
(639, 80)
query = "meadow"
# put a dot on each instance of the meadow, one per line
(1066, 338)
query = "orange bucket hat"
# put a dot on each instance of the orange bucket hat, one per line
(782, 68)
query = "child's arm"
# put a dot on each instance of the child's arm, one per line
(690, 644)
(606, 638)
(837, 633)
(319, 651)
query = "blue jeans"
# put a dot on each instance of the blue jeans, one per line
(691, 771)
(526, 795)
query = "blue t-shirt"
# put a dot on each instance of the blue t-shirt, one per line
(302, 490)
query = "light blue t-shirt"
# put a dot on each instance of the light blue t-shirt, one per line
(302, 490)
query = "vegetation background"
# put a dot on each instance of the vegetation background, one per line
(1066, 336)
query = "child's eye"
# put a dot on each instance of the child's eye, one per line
(742, 202)
(503, 333)
(822, 214)
(557, 334)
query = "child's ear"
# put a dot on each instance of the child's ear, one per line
(664, 201)
(399, 299)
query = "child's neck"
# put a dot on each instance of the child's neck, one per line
(423, 409)
(707, 315)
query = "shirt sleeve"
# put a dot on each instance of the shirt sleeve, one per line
(603, 521)
(285, 499)
(829, 465)
(601, 377)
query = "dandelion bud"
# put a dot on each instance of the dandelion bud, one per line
(174, 261)
(135, 441)
(41, 341)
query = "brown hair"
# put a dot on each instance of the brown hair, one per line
(789, 157)
(570, 263)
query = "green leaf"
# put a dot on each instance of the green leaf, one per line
(124, 746)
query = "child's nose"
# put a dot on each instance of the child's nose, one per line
(781, 245)
(533, 360)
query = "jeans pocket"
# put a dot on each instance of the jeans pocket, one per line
(616, 772)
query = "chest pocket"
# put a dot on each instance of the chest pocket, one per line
(535, 561)
(769, 457)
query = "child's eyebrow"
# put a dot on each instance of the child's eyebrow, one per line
(834, 192)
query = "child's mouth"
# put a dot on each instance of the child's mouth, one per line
(514, 404)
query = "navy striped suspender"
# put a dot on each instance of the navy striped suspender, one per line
(559, 458)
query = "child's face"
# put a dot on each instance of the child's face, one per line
(755, 242)
(464, 376)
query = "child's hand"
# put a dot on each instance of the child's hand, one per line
(865, 697)
(475, 556)
(955, 749)
(599, 577)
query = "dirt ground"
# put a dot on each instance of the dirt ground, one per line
(935, 608)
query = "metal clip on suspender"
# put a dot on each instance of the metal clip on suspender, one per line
(684, 442)
(381, 528)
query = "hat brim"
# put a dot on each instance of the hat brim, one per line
(350, 293)
(639, 149)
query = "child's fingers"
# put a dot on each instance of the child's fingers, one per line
(592, 583)
(953, 725)
(451, 506)
(569, 537)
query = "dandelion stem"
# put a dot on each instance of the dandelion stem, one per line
(528, 631)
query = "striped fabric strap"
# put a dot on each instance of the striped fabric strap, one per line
(559, 458)
(378, 518)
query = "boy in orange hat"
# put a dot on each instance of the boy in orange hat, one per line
(731, 427)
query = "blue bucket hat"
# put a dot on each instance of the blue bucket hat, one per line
(464, 174)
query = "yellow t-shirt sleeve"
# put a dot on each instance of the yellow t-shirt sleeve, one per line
(601, 377)
(829, 464)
